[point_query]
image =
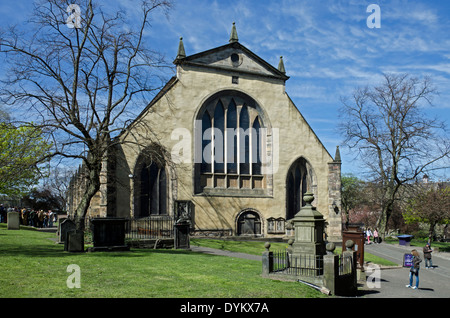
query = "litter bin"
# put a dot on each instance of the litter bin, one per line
(405, 240)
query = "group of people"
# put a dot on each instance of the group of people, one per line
(369, 234)
(416, 260)
(30, 217)
(373, 237)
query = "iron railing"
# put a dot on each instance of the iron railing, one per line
(345, 265)
(298, 265)
(158, 226)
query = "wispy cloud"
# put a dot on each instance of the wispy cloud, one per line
(327, 47)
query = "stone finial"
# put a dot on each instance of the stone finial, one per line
(181, 52)
(337, 156)
(233, 35)
(349, 245)
(267, 246)
(330, 247)
(281, 66)
(308, 198)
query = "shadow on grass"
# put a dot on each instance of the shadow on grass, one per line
(31, 242)
(48, 250)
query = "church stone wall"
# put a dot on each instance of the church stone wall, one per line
(177, 110)
(170, 122)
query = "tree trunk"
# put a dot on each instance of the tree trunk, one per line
(93, 186)
(431, 231)
(383, 220)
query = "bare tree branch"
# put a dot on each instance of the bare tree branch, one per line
(394, 138)
(81, 85)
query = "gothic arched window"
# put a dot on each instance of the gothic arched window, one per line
(232, 134)
(300, 179)
(151, 186)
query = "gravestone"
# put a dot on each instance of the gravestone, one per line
(66, 226)
(74, 241)
(184, 209)
(182, 228)
(13, 221)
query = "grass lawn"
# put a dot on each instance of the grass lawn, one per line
(33, 266)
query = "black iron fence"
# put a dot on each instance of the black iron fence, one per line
(346, 265)
(152, 227)
(337, 274)
(298, 265)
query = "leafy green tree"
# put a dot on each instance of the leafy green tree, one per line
(429, 206)
(352, 194)
(21, 150)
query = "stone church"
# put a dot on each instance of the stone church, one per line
(223, 143)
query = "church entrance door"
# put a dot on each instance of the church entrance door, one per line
(249, 223)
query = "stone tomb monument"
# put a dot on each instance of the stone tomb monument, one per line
(108, 234)
(309, 226)
(74, 241)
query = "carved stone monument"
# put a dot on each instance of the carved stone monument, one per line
(309, 227)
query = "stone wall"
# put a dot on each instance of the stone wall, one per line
(170, 122)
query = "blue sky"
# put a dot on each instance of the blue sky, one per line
(327, 47)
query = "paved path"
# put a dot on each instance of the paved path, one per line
(433, 283)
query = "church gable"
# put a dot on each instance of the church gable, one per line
(234, 57)
(231, 57)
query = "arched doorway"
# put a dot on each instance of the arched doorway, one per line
(249, 223)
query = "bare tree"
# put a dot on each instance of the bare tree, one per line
(396, 141)
(78, 73)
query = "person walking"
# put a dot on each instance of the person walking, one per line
(368, 235)
(427, 256)
(375, 237)
(414, 271)
(50, 218)
(2, 213)
(41, 219)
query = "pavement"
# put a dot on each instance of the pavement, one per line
(433, 283)
(389, 281)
